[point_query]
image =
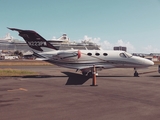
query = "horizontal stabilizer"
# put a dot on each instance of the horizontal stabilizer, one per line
(38, 55)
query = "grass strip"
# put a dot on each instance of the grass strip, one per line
(14, 72)
(24, 63)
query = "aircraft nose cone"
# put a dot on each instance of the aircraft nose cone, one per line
(149, 62)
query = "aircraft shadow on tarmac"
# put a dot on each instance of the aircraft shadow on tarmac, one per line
(73, 78)
(40, 76)
(79, 79)
(154, 76)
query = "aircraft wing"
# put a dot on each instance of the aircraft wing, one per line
(85, 67)
(97, 66)
(88, 68)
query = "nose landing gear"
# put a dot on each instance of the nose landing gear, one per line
(136, 73)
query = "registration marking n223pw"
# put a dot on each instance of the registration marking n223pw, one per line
(37, 43)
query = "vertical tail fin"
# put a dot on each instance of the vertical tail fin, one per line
(34, 40)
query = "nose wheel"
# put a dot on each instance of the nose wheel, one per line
(136, 73)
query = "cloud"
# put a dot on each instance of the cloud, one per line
(130, 47)
(106, 45)
(151, 49)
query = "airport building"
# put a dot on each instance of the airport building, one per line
(120, 48)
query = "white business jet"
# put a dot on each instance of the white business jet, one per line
(83, 60)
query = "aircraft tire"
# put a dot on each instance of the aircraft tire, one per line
(136, 74)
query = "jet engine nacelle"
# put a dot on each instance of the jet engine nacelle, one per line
(67, 56)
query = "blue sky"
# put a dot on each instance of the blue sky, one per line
(131, 23)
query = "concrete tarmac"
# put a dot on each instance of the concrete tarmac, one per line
(62, 94)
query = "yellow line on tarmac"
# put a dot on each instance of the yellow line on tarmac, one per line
(20, 89)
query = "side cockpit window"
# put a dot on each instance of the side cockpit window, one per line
(125, 55)
(122, 55)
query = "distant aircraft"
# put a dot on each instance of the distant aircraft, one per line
(81, 59)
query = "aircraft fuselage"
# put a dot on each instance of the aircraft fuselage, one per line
(77, 59)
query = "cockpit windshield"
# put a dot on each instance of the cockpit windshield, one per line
(128, 54)
(125, 55)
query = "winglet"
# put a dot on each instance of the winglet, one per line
(34, 40)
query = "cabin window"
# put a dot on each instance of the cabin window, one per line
(89, 54)
(105, 54)
(97, 54)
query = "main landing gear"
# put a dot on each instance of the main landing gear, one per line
(93, 73)
(89, 74)
(136, 73)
